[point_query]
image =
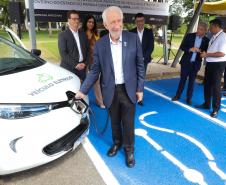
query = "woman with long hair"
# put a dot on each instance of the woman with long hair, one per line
(90, 28)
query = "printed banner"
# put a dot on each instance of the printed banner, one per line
(55, 10)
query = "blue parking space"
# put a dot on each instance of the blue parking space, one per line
(169, 87)
(175, 145)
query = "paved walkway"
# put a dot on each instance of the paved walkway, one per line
(158, 70)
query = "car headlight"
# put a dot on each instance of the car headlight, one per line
(18, 111)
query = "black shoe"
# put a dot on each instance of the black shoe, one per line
(214, 114)
(202, 106)
(175, 98)
(188, 101)
(113, 150)
(140, 103)
(130, 161)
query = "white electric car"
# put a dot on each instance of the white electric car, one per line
(39, 118)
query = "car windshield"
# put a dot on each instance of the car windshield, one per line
(15, 59)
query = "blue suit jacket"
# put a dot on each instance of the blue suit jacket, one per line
(133, 68)
(188, 43)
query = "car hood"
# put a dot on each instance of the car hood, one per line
(47, 83)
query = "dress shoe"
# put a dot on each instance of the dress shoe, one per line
(202, 106)
(188, 101)
(130, 161)
(113, 150)
(102, 106)
(140, 103)
(175, 98)
(214, 114)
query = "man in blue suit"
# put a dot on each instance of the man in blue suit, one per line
(191, 62)
(118, 58)
(146, 37)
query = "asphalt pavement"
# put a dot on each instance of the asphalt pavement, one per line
(75, 168)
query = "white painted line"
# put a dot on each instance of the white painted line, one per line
(141, 118)
(206, 116)
(100, 165)
(214, 167)
(190, 174)
(206, 152)
(144, 134)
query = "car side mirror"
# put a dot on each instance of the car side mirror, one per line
(36, 52)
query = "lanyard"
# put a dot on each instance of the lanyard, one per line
(212, 41)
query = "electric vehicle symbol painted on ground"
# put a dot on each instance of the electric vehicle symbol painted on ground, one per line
(190, 174)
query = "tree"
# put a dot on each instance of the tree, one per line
(184, 7)
(4, 16)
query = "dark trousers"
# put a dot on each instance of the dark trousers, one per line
(81, 74)
(122, 112)
(225, 77)
(212, 83)
(189, 72)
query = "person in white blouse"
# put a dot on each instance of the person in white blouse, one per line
(215, 65)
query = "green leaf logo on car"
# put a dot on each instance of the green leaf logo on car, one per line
(43, 78)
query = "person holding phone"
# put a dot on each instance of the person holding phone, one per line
(193, 45)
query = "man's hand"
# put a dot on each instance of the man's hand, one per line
(194, 49)
(203, 54)
(80, 66)
(139, 96)
(80, 95)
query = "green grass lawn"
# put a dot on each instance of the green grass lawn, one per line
(48, 45)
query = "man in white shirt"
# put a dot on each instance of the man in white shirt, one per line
(146, 37)
(216, 63)
(74, 47)
(118, 60)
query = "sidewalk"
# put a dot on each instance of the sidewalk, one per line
(159, 70)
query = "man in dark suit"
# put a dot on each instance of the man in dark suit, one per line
(73, 46)
(146, 37)
(191, 61)
(118, 58)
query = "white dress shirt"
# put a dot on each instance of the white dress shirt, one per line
(217, 44)
(140, 34)
(116, 52)
(76, 36)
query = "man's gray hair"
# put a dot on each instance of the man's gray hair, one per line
(203, 24)
(111, 9)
